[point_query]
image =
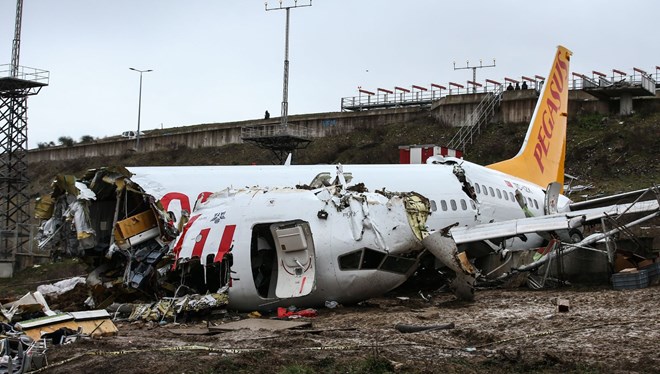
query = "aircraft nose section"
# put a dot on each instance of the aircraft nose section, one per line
(445, 250)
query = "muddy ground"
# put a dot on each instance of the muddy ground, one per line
(516, 330)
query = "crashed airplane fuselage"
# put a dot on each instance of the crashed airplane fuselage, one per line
(264, 247)
(282, 246)
(480, 212)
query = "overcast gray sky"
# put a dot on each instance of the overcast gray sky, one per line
(222, 60)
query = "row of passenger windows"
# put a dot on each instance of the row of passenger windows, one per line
(488, 191)
(501, 194)
(454, 204)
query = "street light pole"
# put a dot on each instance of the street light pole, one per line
(137, 135)
(285, 88)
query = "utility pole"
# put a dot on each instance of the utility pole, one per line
(137, 134)
(285, 89)
(282, 139)
(474, 71)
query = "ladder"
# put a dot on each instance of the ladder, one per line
(478, 119)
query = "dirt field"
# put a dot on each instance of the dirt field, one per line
(502, 331)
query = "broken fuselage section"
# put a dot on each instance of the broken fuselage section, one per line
(264, 247)
(107, 219)
(277, 246)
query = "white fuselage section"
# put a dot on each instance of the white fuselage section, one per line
(179, 187)
(450, 200)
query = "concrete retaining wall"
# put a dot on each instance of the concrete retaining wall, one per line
(215, 135)
(517, 107)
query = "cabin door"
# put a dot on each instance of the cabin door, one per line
(296, 261)
(551, 198)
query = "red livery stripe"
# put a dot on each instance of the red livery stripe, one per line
(225, 242)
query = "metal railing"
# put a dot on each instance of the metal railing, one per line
(481, 115)
(278, 129)
(646, 81)
(380, 99)
(26, 73)
(413, 98)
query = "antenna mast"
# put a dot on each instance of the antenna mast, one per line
(474, 71)
(16, 44)
(281, 139)
(285, 88)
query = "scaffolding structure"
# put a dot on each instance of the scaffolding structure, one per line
(16, 84)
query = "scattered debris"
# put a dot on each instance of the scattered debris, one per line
(563, 305)
(194, 331)
(29, 306)
(63, 335)
(630, 279)
(417, 328)
(92, 323)
(291, 314)
(331, 304)
(60, 287)
(260, 324)
(21, 354)
(169, 309)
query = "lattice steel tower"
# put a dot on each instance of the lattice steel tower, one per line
(16, 84)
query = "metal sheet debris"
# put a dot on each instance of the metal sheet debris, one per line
(92, 323)
(32, 302)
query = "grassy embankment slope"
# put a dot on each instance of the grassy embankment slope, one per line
(615, 154)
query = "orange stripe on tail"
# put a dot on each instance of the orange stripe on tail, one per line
(541, 157)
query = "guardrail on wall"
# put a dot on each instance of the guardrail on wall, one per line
(420, 96)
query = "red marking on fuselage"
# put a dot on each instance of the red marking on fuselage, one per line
(225, 242)
(200, 240)
(183, 200)
(179, 243)
(203, 196)
(302, 285)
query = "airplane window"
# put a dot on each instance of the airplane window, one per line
(397, 264)
(434, 207)
(536, 205)
(463, 204)
(476, 187)
(453, 204)
(512, 197)
(371, 259)
(443, 204)
(485, 189)
(492, 193)
(499, 194)
(350, 261)
(506, 195)
(530, 201)
(474, 206)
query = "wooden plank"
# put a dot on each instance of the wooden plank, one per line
(260, 324)
(193, 331)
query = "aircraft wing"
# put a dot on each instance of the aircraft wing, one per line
(553, 222)
(625, 197)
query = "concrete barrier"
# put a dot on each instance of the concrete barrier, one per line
(219, 134)
(516, 107)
